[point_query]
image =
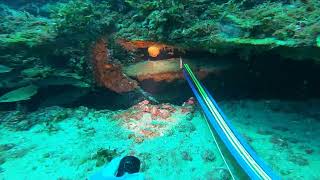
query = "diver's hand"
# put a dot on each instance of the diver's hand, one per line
(108, 172)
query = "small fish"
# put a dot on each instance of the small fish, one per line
(5, 69)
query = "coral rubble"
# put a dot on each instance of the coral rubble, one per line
(148, 121)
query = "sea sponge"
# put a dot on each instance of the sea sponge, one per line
(153, 51)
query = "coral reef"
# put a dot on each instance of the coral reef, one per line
(27, 51)
(225, 27)
(107, 74)
(42, 41)
(19, 28)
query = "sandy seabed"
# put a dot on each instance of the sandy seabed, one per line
(72, 143)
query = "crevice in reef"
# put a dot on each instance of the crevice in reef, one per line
(263, 76)
(232, 47)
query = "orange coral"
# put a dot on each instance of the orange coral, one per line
(153, 51)
(99, 59)
(107, 74)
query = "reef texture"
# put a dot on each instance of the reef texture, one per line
(107, 74)
(50, 44)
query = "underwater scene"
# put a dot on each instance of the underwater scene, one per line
(161, 89)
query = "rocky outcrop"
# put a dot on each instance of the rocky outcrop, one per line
(108, 74)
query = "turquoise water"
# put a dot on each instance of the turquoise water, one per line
(84, 83)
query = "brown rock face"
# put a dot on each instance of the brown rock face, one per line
(107, 74)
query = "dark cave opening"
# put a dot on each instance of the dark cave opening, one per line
(262, 76)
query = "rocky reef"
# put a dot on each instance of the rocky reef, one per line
(85, 81)
(98, 45)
